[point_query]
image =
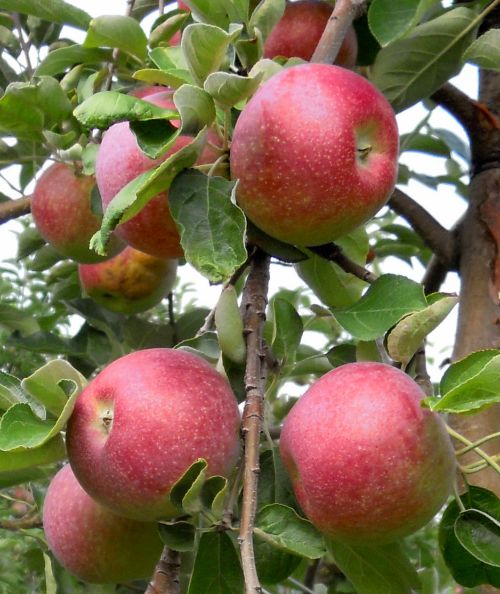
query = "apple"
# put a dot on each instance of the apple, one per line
(93, 543)
(129, 283)
(315, 151)
(119, 161)
(141, 423)
(368, 464)
(299, 30)
(146, 90)
(61, 209)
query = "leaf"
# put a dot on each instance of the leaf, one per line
(10, 390)
(228, 89)
(413, 68)
(60, 59)
(211, 226)
(287, 330)
(154, 137)
(50, 580)
(164, 32)
(185, 483)
(217, 568)
(376, 569)
(208, 11)
(172, 78)
(424, 143)
(15, 319)
(485, 50)
(15, 462)
(196, 108)
(55, 11)
(479, 533)
(283, 527)
(265, 16)
(406, 337)
(229, 326)
(274, 482)
(178, 536)
(122, 32)
(386, 301)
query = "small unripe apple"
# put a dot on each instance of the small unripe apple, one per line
(299, 30)
(368, 464)
(130, 282)
(61, 209)
(141, 423)
(93, 543)
(315, 151)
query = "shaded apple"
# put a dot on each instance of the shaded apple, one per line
(315, 151)
(140, 424)
(119, 161)
(299, 30)
(130, 282)
(146, 90)
(93, 543)
(368, 464)
(61, 209)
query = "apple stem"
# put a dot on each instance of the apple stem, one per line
(254, 302)
(166, 577)
(340, 20)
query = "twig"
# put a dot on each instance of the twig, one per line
(477, 443)
(421, 374)
(254, 302)
(227, 515)
(300, 586)
(340, 20)
(490, 460)
(166, 577)
(458, 104)
(29, 521)
(434, 276)
(171, 316)
(334, 253)
(161, 7)
(14, 208)
(24, 46)
(116, 52)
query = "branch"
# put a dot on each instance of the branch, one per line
(458, 104)
(116, 52)
(254, 303)
(441, 241)
(334, 253)
(166, 577)
(11, 209)
(340, 20)
(24, 523)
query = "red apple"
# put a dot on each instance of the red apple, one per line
(182, 5)
(315, 151)
(140, 424)
(299, 30)
(93, 543)
(130, 282)
(367, 462)
(146, 90)
(119, 161)
(61, 209)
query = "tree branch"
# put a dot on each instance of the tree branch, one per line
(458, 104)
(11, 209)
(254, 303)
(340, 20)
(334, 253)
(24, 523)
(166, 577)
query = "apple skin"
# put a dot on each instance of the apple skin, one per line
(119, 161)
(299, 30)
(368, 464)
(61, 209)
(146, 90)
(315, 151)
(93, 543)
(129, 283)
(168, 409)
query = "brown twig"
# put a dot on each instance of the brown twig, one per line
(458, 104)
(166, 576)
(422, 377)
(14, 208)
(434, 276)
(24, 523)
(334, 253)
(254, 302)
(340, 20)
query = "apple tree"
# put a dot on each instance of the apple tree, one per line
(151, 103)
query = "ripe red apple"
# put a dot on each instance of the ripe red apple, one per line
(140, 424)
(315, 151)
(61, 209)
(130, 282)
(93, 543)
(146, 90)
(299, 30)
(119, 161)
(368, 464)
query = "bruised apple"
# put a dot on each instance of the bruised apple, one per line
(315, 151)
(93, 543)
(143, 421)
(368, 464)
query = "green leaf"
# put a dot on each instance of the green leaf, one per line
(424, 143)
(16, 319)
(205, 48)
(45, 384)
(274, 247)
(479, 533)
(287, 330)
(406, 337)
(413, 68)
(471, 383)
(50, 580)
(274, 482)
(167, 29)
(175, 77)
(122, 32)
(376, 569)
(60, 59)
(196, 108)
(228, 89)
(485, 50)
(178, 536)
(387, 300)
(266, 16)
(183, 485)
(465, 568)
(154, 137)
(212, 227)
(217, 568)
(208, 11)
(230, 325)
(55, 11)
(10, 390)
(284, 528)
